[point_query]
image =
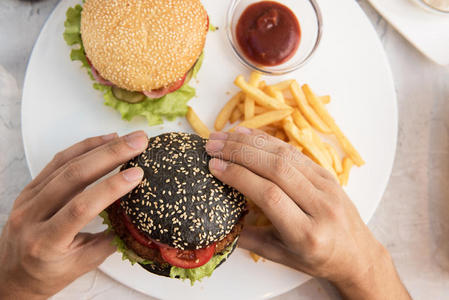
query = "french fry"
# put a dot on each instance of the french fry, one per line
(290, 101)
(260, 110)
(226, 112)
(278, 124)
(325, 99)
(276, 94)
(196, 123)
(336, 161)
(347, 166)
(241, 107)
(257, 109)
(280, 134)
(269, 129)
(299, 120)
(255, 78)
(265, 119)
(305, 139)
(259, 97)
(295, 143)
(306, 110)
(249, 103)
(235, 116)
(302, 124)
(292, 114)
(330, 122)
(290, 128)
(249, 108)
(282, 85)
(254, 256)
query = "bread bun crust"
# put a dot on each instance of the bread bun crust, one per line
(179, 202)
(142, 45)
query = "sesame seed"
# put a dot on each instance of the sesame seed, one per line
(182, 209)
(146, 48)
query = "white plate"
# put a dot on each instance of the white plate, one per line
(60, 107)
(427, 30)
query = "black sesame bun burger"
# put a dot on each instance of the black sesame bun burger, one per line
(143, 49)
(180, 221)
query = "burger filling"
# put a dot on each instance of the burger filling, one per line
(136, 97)
(165, 103)
(185, 264)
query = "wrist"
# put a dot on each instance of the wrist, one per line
(17, 295)
(9, 291)
(376, 262)
(378, 281)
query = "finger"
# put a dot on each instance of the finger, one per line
(264, 242)
(263, 141)
(275, 168)
(86, 169)
(61, 158)
(53, 168)
(275, 204)
(82, 209)
(93, 249)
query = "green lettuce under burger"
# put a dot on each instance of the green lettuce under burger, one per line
(168, 106)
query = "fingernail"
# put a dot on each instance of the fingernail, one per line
(109, 137)
(218, 165)
(243, 130)
(133, 174)
(218, 136)
(214, 145)
(137, 140)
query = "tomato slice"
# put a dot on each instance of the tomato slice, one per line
(156, 94)
(136, 233)
(187, 259)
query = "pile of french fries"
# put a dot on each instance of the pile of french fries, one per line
(292, 113)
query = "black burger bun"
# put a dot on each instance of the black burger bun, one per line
(179, 202)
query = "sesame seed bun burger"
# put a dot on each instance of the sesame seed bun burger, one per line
(180, 221)
(139, 51)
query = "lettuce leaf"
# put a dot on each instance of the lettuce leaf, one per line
(196, 68)
(127, 254)
(170, 106)
(212, 27)
(203, 271)
(72, 26)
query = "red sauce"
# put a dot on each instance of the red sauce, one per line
(268, 33)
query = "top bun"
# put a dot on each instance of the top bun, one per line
(179, 202)
(142, 45)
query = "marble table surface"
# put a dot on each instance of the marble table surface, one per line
(412, 220)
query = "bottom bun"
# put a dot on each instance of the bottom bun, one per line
(157, 269)
(165, 270)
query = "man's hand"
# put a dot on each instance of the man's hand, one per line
(316, 228)
(41, 247)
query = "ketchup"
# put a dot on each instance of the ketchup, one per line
(268, 33)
